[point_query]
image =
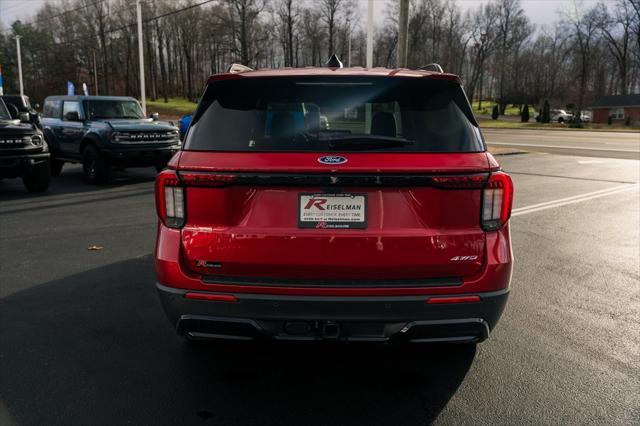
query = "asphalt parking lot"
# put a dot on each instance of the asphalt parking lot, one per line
(83, 339)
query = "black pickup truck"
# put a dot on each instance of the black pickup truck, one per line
(105, 132)
(23, 151)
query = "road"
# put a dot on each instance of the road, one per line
(83, 339)
(572, 142)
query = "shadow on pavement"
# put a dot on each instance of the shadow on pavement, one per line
(96, 348)
(71, 181)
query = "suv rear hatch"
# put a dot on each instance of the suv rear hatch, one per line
(333, 181)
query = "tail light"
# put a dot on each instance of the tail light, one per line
(170, 199)
(497, 200)
(207, 179)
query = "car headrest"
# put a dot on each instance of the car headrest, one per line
(384, 124)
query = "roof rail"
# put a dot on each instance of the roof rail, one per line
(432, 67)
(236, 68)
(334, 62)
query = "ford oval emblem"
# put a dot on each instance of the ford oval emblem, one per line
(332, 159)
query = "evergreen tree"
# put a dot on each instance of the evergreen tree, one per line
(495, 113)
(524, 117)
(546, 112)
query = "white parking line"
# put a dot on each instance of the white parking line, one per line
(572, 200)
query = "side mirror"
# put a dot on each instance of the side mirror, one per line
(24, 117)
(72, 116)
(155, 116)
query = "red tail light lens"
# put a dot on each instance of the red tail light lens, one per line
(475, 181)
(170, 199)
(207, 179)
(497, 200)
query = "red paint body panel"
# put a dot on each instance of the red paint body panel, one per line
(494, 275)
(299, 162)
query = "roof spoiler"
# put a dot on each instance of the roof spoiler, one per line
(237, 68)
(432, 67)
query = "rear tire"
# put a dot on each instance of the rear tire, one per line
(38, 178)
(95, 168)
(56, 167)
(560, 120)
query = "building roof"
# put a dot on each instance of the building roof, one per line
(336, 72)
(618, 101)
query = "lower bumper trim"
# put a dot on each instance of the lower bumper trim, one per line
(357, 319)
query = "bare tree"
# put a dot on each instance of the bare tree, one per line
(330, 11)
(616, 30)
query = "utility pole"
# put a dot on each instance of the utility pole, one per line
(349, 50)
(370, 34)
(403, 32)
(19, 64)
(143, 99)
(95, 71)
(367, 106)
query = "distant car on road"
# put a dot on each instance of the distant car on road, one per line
(23, 151)
(386, 221)
(586, 116)
(560, 116)
(102, 132)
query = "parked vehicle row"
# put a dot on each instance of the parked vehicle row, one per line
(23, 150)
(103, 132)
(308, 204)
(100, 132)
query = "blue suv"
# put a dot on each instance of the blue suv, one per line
(103, 132)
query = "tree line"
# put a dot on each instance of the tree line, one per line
(499, 53)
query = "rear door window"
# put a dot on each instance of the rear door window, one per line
(71, 106)
(325, 114)
(51, 109)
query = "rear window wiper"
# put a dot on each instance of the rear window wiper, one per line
(367, 142)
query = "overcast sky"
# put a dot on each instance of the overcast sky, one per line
(539, 11)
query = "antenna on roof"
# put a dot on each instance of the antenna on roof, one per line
(334, 62)
(432, 67)
(236, 68)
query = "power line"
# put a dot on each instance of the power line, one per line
(144, 21)
(38, 21)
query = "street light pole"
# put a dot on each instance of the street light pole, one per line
(349, 50)
(19, 64)
(370, 34)
(95, 72)
(367, 109)
(403, 32)
(143, 99)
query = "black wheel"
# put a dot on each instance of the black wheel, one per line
(37, 180)
(160, 167)
(560, 120)
(56, 167)
(95, 168)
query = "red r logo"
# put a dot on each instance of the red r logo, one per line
(318, 202)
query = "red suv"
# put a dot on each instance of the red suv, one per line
(333, 203)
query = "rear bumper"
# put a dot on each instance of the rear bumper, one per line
(345, 318)
(21, 164)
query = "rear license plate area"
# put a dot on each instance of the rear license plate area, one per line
(332, 211)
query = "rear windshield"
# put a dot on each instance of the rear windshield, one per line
(332, 114)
